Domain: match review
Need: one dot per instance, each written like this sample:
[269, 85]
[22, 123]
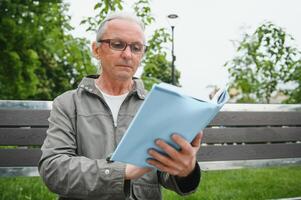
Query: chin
[124, 76]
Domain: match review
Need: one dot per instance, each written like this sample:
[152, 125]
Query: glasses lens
[137, 47]
[117, 45]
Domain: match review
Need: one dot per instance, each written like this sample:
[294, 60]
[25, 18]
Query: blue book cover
[166, 110]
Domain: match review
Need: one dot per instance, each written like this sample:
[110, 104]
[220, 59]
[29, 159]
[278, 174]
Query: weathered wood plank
[24, 117]
[249, 152]
[22, 136]
[30, 157]
[19, 157]
[252, 134]
[228, 118]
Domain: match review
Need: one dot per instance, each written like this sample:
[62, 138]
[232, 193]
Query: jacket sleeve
[70, 175]
[182, 186]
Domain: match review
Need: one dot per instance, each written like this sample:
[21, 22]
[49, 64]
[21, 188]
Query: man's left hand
[178, 163]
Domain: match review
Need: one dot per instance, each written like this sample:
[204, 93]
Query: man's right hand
[134, 172]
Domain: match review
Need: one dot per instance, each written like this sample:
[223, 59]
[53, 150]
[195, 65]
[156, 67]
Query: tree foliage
[38, 58]
[265, 61]
[155, 64]
[157, 70]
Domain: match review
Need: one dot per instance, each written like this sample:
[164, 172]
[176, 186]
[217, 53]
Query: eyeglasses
[119, 45]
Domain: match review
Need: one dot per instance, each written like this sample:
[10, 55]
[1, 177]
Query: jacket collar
[88, 84]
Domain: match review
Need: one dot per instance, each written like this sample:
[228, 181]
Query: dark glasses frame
[131, 45]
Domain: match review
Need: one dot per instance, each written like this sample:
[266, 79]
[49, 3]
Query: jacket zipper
[110, 112]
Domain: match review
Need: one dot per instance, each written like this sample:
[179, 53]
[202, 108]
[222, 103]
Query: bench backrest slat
[241, 118]
[18, 118]
[22, 136]
[19, 157]
[249, 152]
[252, 134]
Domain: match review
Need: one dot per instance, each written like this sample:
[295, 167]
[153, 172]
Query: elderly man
[86, 124]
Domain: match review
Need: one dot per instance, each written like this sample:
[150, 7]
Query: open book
[166, 110]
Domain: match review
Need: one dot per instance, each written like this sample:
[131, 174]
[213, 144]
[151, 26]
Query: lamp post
[172, 20]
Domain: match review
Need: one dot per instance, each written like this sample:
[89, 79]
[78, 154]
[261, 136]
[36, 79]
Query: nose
[126, 53]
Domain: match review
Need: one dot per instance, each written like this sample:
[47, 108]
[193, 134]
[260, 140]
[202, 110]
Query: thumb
[196, 142]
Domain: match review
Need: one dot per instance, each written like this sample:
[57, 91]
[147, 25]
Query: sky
[205, 32]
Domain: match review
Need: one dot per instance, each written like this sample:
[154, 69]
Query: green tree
[156, 66]
[38, 58]
[266, 60]
[157, 69]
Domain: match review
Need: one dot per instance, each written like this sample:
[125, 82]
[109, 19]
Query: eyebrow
[118, 38]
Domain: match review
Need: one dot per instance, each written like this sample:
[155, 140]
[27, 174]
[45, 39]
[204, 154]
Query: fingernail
[174, 136]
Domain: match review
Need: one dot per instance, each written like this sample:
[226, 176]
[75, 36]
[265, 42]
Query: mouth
[124, 66]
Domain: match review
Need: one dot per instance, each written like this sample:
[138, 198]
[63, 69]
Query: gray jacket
[80, 138]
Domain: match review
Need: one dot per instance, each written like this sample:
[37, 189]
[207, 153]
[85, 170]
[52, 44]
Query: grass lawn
[260, 183]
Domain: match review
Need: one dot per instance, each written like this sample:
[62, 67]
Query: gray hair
[117, 15]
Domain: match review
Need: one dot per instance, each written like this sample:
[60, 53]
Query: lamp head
[172, 19]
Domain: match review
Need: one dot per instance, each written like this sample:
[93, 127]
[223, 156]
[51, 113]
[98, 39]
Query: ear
[95, 50]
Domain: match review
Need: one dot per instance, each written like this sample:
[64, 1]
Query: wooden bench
[234, 135]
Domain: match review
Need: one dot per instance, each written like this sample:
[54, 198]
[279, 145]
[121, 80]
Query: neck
[114, 87]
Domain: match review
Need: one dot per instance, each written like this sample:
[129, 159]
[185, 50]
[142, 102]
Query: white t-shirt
[114, 103]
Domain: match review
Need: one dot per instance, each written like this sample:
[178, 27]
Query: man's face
[120, 65]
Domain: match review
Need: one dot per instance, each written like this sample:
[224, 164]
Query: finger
[146, 170]
[133, 172]
[134, 167]
[169, 150]
[161, 158]
[184, 144]
[196, 142]
[161, 167]
[167, 161]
